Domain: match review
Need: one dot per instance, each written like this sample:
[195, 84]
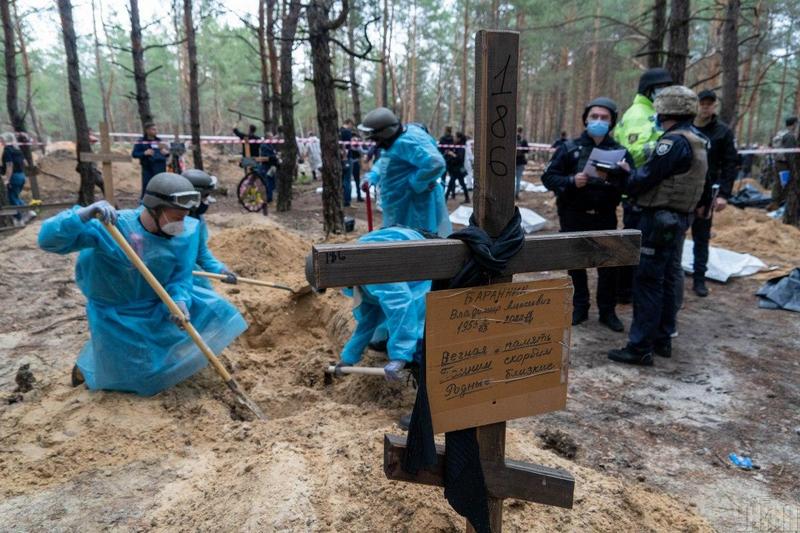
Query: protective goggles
[184, 200]
[373, 132]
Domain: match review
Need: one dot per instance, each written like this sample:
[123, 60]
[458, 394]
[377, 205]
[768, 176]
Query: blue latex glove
[104, 209]
[176, 319]
[394, 370]
[230, 277]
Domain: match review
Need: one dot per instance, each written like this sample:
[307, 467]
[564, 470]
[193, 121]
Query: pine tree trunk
[730, 64]
[412, 86]
[12, 101]
[288, 168]
[266, 113]
[194, 96]
[464, 42]
[384, 92]
[655, 44]
[678, 50]
[98, 64]
[139, 72]
[273, 62]
[791, 215]
[319, 28]
[27, 72]
[786, 60]
[354, 92]
[86, 169]
[183, 66]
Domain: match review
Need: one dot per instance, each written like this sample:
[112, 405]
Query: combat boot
[699, 287]
[612, 321]
[631, 357]
[579, 315]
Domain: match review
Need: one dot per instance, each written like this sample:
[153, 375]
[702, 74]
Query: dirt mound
[752, 231]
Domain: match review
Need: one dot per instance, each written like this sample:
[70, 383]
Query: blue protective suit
[397, 307]
[408, 175]
[133, 345]
[205, 259]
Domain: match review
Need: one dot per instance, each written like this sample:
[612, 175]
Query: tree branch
[338, 21]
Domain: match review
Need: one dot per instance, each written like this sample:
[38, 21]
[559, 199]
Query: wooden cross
[106, 157]
[359, 264]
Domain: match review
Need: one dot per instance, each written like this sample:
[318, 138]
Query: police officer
[589, 203]
[638, 132]
[667, 188]
[722, 159]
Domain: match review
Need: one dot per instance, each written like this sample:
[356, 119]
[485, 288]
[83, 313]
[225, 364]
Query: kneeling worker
[204, 183]
[133, 346]
[398, 307]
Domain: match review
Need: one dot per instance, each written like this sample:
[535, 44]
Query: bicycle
[252, 189]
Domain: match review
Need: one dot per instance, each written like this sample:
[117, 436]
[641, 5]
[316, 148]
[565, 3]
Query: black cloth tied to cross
[464, 485]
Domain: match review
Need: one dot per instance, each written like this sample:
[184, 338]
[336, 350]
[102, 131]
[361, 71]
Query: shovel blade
[244, 400]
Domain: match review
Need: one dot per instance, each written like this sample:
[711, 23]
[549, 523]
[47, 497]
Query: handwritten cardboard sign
[497, 352]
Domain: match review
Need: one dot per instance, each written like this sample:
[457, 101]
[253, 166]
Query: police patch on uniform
[663, 147]
[632, 138]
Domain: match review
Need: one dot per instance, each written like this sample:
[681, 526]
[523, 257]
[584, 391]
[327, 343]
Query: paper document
[611, 157]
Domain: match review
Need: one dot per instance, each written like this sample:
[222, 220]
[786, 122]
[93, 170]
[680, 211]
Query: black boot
[663, 350]
[579, 315]
[699, 287]
[378, 346]
[611, 320]
[626, 355]
[77, 376]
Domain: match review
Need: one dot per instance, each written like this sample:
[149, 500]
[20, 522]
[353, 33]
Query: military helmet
[653, 77]
[605, 102]
[380, 124]
[203, 182]
[676, 100]
[166, 189]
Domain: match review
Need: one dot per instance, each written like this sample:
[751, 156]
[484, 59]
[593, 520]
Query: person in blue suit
[407, 174]
[152, 153]
[398, 308]
[136, 344]
[205, 184]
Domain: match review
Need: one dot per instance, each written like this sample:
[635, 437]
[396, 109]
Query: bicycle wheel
[252, 193]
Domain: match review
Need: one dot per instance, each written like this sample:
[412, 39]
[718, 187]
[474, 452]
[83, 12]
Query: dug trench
[186, 460]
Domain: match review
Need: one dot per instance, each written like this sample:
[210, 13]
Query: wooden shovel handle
[168, 301]
[243, 280]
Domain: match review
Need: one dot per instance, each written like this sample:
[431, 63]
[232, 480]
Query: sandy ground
[652, 443]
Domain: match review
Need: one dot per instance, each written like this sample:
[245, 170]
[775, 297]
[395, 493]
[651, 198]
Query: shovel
[241, 397]
[306, 289]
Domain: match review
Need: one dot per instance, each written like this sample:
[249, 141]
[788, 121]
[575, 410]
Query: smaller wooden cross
[106, 157]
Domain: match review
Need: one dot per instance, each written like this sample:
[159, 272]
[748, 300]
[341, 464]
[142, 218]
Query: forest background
[420, 61]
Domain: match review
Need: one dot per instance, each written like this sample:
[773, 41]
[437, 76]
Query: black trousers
[701, 235]
[451, 185]
[606, 277]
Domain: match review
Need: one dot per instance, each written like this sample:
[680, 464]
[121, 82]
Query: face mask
[597, 128]
[173, 228]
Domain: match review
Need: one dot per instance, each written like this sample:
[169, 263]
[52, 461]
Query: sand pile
[752, 231]
[183, 460]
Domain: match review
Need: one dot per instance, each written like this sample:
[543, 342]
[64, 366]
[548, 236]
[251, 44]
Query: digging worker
[638, 132]
[407, 173]
[722, 158]
[396, 308]
[205, 184]
[152, 153]
[667, 189]
[589, 203]
[133, 346]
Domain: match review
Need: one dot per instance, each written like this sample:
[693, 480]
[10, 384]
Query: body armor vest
[681, 192]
